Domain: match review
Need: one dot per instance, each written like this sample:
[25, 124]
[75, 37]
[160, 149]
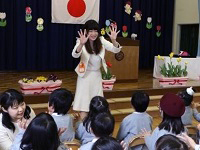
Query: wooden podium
[126, 67]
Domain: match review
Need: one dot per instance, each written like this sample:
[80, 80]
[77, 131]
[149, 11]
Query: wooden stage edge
[145, 82]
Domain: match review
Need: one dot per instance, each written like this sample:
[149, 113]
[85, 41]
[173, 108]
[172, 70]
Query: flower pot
[108, 84]
[173, 81]
[39, 87]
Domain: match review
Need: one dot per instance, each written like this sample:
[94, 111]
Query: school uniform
[150, 141]
[65, 121]
[189, 114]
[132, 125]
[82, 134]
[89, 145]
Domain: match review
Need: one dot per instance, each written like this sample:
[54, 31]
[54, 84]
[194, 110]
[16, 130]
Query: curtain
[198, 51]
[23, 48]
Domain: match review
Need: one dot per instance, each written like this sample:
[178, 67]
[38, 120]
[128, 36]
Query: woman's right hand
[82, 36]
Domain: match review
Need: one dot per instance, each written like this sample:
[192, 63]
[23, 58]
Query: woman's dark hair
[140, 101]
[107, 143]
[98, 105]
[103, 124]
[170, 142]
[41, 134]
[61, 99]
[9, 98]
[93, 25]
[187, 99]
[171, 124]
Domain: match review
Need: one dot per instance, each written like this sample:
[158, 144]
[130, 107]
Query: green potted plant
[107, 78]
[173, 74]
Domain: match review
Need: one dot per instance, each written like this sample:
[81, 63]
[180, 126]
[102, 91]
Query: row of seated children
[172, 108]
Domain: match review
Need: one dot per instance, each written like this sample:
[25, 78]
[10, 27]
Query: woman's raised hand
[82, 36]
[113, 32]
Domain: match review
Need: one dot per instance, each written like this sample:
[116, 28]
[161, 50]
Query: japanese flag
[74, 11]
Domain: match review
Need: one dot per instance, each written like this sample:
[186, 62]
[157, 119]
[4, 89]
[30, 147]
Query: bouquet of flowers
[171, 70]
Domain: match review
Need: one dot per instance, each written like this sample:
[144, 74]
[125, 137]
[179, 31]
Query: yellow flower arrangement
[171, 70]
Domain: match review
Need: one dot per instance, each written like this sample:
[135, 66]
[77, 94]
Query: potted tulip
[108, 79]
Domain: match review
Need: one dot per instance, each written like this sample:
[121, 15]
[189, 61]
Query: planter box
[39, 87]
[173, 81]
[108, 84]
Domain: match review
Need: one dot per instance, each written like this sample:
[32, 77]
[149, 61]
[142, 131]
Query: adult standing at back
[90, 47]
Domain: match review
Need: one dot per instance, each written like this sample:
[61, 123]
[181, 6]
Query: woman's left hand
[113, 32]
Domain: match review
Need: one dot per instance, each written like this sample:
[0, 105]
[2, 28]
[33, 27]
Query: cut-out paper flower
[124, 31]
[40, 26]
[149, 23]
[28, 16]
[3, 19]
[158, 33]
[103, 32]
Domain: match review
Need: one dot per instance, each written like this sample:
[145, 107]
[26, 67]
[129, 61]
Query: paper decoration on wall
[138, 15]
[109, 23]
[103, 32]
[158, 33]
[28, 16]
[3, 19]
[149, 23]
[107, 26]
[124, 31]
[133, 36]
[40, 26]
[128, 7]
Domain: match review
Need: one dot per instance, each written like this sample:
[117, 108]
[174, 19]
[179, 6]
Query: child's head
[98, 105]
[170, 142]
[102, 125]
[187, 95]
[107, 143]
[172, 108]
[60, 101]
[140, 101]
[41, 133]
[13, 108]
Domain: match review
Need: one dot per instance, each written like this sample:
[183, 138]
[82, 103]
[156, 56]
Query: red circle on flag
[76, 8]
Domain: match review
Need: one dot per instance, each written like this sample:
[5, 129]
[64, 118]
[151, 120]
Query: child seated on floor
[102, 125]
[190, 108]
[98, 105]
[60, 101]
[171, 108]
[107, 143]
[133, 123]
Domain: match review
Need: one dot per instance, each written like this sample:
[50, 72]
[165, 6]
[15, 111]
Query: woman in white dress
[90, 46]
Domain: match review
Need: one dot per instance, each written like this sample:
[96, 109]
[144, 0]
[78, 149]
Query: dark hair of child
[170, 142]
[140, 101]
[98, 105]
[103, 125]
[107, 143]
[61, 99]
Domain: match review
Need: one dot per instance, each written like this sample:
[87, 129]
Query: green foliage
[173, 71]
[106, 76]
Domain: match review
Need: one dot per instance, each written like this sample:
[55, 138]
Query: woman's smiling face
[93, 34]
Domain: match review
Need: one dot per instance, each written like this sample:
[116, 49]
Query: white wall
[185, 12]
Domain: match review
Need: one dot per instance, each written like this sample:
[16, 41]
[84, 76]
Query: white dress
[89, 85]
